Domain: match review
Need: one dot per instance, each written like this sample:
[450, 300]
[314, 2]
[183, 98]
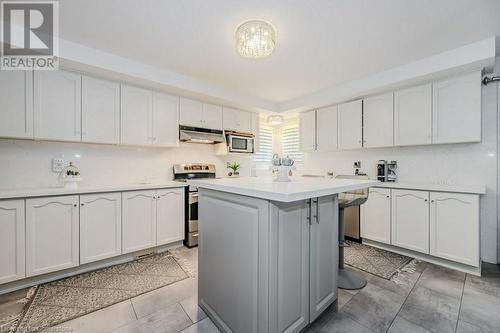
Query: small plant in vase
[234, 167]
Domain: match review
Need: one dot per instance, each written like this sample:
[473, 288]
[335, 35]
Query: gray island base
[267, 265]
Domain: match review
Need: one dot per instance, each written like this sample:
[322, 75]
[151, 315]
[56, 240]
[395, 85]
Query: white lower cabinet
[376, 216]
[291, 281]
[51, 234]
[410, 220]
[324, 255]
[12, 241]
[138, 220]
[454, 227]
[169, 215]
[151, 218]
[100, 226]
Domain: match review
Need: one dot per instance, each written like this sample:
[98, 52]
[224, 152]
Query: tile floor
[433, 299]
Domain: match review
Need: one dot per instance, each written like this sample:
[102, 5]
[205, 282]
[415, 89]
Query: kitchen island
[268, 251]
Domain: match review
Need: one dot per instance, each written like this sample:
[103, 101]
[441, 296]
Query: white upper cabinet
[198, 114]
[165, 120]
[100, 226]
[169, 215]
[307, 130]
[191, 113]
[58, 105]
[136, 116]
[454, 227]
[237, 120]
[52, 234]
[12, 241]
[410, 220]
[100, 111]
[326, 128]
[457, 109]
[16, 109]
[212, 116]
[378, 113]
[376, 216]
[350, 132]
[413, 116]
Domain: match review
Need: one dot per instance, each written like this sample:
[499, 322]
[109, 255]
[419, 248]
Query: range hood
[200, 135]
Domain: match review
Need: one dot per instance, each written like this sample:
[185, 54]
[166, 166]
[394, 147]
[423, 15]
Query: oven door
[240, 144]
[193, 212]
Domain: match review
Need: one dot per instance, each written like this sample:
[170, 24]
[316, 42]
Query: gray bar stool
[347, 279]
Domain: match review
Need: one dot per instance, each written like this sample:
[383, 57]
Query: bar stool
[347, 279]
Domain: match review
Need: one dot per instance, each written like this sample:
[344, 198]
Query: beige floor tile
[203, 326]
[170, 319]
[195, 313]
[103, 320]
[151, 302]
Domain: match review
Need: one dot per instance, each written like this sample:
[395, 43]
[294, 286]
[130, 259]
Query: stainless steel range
[184, 172]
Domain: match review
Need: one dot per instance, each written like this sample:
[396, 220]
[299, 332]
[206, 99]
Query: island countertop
[300, 188]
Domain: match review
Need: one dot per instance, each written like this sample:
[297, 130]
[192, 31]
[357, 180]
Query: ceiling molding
[82, 58]
[473, 56]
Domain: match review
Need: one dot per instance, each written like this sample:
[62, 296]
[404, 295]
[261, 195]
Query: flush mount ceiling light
[255, 39]
[275, 120]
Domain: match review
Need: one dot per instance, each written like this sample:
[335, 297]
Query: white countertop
[456, 188]
[299, 188]
[83, 189]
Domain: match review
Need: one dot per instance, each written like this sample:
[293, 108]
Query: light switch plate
[57, 164]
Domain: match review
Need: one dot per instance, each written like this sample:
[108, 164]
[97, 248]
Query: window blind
[290, 142]
[265, 153]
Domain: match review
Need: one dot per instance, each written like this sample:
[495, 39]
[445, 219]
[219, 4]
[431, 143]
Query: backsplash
[26, 164]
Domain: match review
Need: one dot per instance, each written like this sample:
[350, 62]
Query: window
[265, 153]
[290, 142]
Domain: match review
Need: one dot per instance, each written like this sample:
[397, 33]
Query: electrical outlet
[57, 164]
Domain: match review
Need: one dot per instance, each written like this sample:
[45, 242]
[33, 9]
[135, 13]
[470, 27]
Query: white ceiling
[320, 43]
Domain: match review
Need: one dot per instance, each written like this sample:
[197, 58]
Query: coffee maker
[386, 171]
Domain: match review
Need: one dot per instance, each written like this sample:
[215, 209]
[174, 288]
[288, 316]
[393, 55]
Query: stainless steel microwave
[240, 144]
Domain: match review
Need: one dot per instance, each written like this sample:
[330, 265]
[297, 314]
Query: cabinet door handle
[387, 196]
[317, 211]
[75, 205]
[426, 200]
[432, 201]
[309, 211]
[82, 204]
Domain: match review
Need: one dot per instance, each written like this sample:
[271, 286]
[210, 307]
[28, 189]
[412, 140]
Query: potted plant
[234, 166]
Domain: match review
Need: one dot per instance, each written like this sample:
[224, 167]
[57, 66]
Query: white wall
[440, 164]
[27, 164]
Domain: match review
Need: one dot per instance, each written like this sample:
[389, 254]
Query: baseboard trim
[49, 277]
[427, 258]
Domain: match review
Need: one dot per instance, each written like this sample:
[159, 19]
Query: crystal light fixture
[255, 39]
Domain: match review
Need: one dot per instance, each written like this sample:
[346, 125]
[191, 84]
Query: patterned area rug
[59, 301]
[374, 261]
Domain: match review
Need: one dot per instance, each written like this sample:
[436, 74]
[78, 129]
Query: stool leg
[347, 279]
